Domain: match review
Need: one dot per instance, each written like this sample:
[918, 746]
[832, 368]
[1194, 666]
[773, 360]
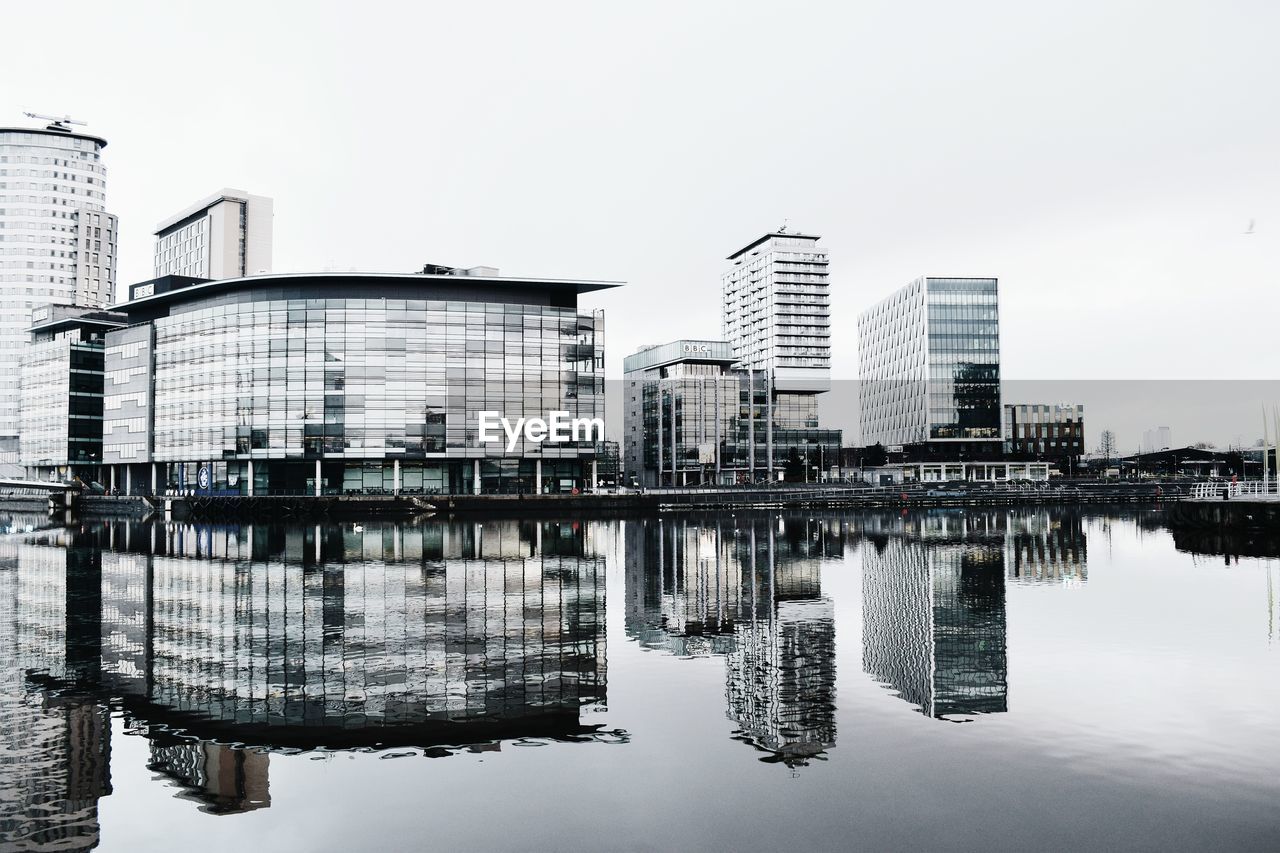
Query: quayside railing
[1217, 489]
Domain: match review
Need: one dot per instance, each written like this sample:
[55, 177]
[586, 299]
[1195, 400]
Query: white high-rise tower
[777, 310]
[57, 242]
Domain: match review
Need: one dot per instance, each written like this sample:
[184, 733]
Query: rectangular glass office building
[929, 359]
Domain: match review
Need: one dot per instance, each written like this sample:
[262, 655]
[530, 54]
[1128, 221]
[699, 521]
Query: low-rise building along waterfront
[61, 398]
[693, 416]
[1052, 431]
[342, 383]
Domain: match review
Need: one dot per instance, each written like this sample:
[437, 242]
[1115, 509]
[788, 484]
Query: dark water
[965, 680]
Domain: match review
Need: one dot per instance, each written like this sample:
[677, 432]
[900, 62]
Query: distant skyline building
[57, 242]
[929, 366]
[1155, 440]
[227, 235]
[711, 441]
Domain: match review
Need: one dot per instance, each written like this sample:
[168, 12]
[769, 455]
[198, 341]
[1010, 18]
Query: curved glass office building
[350, 383]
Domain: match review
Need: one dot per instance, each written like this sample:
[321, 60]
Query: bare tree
[1107, 445]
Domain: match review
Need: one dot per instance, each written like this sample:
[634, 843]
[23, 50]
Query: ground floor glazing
[348, 477]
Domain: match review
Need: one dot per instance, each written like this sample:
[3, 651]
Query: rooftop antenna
[783, 228]
[55, 122]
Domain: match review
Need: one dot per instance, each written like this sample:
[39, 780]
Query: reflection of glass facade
[933, 615]
[222, 643]
[380, 379]
[54, 746]
[929, 359]
[1046, 547]
[438, 636]
[750, 590]
[328, 635]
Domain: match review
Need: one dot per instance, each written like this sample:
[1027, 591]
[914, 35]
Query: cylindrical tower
[57, 242]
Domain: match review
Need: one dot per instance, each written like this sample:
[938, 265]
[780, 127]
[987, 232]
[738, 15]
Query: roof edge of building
[224, 194]
[770, 236]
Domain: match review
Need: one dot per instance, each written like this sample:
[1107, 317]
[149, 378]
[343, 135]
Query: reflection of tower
[56, 617]
[781, 681]
[933, 619]
[1046, 547]
[54, 748]
[223, 779]
[749, 589]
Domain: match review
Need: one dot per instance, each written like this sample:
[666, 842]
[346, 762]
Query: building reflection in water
[749, 589]
[221, 779]
[933, 599]
[54, 746]
[222, 644]
[1047, 547]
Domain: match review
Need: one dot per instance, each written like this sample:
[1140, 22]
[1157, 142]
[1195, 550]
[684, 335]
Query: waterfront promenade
[825, 496]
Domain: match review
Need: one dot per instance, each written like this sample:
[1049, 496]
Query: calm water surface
[981, 679]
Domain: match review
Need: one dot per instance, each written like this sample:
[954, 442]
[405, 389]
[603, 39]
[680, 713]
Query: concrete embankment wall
[1237, 513]
[115, 506]
[23, 503]
[369, 506]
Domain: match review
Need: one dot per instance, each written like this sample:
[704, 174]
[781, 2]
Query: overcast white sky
[1102, 159]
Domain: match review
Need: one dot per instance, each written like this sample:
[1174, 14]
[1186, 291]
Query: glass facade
[1055, 429]
[61, 396]
[929, 359]
[693, 418]
[57, 243]
[380, 386]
